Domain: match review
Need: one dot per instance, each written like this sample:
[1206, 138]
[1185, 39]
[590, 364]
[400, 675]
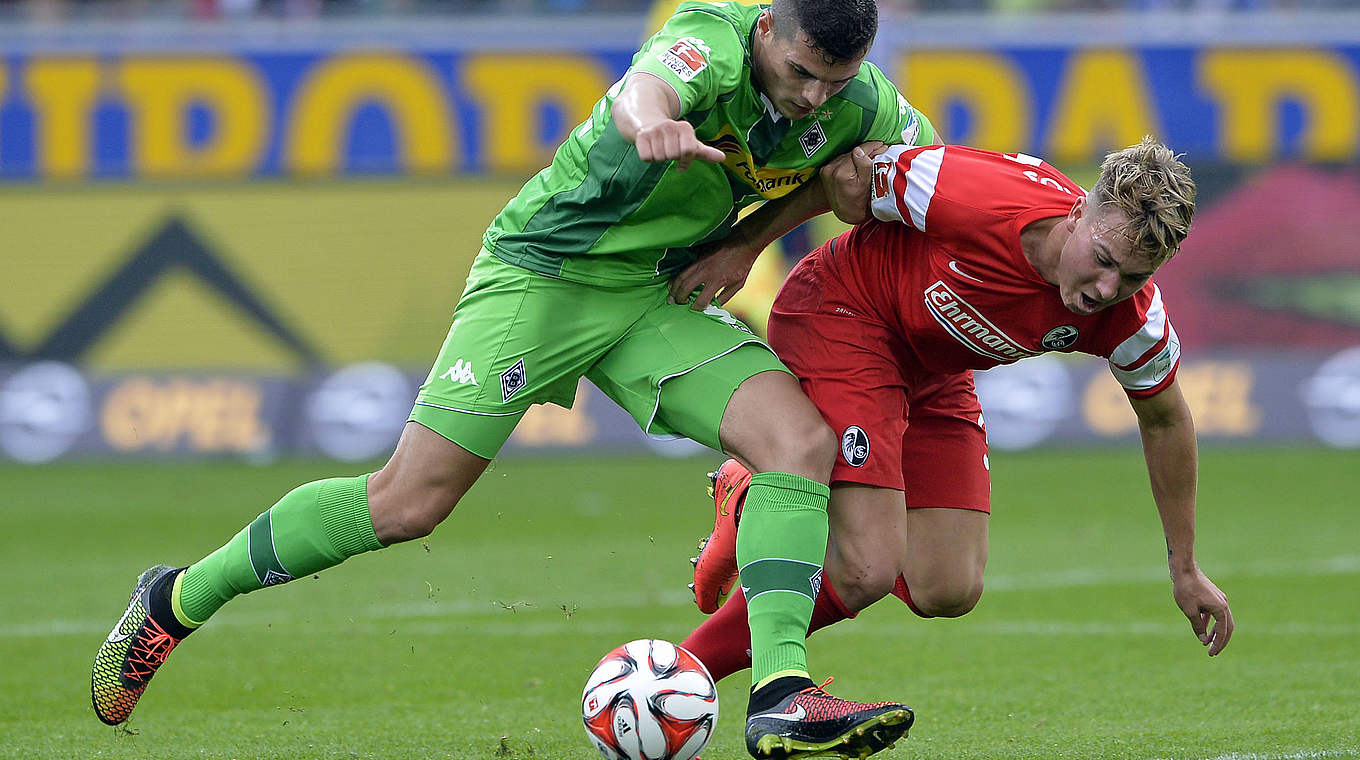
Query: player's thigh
[510, 346]
[676, 370]
[868, 538]
[770, 424]
[948, 495]
[850, 370]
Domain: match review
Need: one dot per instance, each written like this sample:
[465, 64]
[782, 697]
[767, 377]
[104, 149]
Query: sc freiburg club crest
[1060, 337]
[855, 446]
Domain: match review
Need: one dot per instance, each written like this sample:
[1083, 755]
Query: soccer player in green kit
[595, 270]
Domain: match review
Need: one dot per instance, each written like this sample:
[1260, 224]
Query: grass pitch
[475, 643]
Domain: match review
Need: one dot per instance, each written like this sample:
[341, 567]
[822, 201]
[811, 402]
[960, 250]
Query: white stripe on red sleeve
[1146, 359]
[904, 186]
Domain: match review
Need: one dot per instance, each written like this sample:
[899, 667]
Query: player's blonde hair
[1150, 186]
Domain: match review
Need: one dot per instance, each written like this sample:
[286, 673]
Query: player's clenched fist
[669, 140]
[846, 180]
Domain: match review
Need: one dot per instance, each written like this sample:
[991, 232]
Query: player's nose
[1107, 285]
[817, 92]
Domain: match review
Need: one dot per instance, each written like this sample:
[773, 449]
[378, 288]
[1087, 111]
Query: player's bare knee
[952, 599]
[860, 587]
[802, 447]
[812, 449]
[404, 510]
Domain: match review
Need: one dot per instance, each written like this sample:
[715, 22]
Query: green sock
[780, 549]
[315, 526]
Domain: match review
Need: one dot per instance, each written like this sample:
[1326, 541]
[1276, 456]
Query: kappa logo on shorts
[686, 58]
[513, 381]
[855, 446]
[460, 372]
[1059, 337]
[813, 139]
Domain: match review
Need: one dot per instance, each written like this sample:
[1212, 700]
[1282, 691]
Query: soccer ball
[649, 700]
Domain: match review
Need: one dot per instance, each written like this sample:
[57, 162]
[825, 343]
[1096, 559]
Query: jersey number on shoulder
[1025, 159]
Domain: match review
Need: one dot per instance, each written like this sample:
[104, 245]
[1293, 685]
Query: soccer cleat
[812, 723]
[715, 569]
[135, 648]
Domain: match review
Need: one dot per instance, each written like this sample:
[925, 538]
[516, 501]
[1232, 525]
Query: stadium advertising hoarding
[270, 316]
[256, 321]
[50, 410]
[264, 102]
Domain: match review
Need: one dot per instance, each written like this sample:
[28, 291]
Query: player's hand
[847, 179]
[1202, 602]
[671, 140]
[721, 270]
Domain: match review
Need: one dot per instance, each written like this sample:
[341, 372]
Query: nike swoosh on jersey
[798, 714]
[954, 265]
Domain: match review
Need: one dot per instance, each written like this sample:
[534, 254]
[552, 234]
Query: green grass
[475, 644]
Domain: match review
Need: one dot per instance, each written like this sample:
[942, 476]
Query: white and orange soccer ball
[650, 700]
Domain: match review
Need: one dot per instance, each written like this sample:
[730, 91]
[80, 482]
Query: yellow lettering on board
[1218, 393]
[406, 87]
[1249, 87]
[989, 87]
[210, 415]
[160, 92]
[512, 88]
[63, 92]
[1103, 103]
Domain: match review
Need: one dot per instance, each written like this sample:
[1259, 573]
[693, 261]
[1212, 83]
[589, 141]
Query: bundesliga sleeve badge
[686, 58]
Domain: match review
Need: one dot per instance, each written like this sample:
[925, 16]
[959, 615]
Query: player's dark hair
[841, 29]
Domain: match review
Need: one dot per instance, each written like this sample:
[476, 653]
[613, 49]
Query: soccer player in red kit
[970, 259]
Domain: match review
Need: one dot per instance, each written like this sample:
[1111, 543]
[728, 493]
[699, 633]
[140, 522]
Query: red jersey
[941, 262]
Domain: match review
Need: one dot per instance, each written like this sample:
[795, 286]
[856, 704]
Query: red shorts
[901, 427]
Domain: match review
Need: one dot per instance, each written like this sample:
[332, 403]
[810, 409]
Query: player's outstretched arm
[1169, 446]
[647, 113]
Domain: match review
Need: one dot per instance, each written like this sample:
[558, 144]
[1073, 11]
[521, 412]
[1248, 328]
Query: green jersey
[599, 214]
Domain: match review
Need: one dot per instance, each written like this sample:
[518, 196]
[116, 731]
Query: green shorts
[521, 338]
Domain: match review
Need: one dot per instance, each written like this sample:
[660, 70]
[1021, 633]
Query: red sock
[723, 642]
[901, 592]
[829, 609]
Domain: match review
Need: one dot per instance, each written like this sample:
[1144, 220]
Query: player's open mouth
[1089, 304]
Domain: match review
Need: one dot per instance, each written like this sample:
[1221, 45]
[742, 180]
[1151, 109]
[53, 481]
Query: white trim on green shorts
[469, 411]
[656, 407]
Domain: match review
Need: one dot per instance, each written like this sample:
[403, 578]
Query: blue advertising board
[415, 101]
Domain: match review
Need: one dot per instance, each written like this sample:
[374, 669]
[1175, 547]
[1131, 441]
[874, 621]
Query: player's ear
[765, 23]
[1077, 212]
